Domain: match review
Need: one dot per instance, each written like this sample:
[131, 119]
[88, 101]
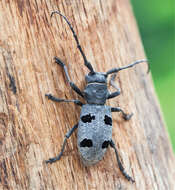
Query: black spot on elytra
[87, 118]
[86, 143]
[108, 120]
[105, 144]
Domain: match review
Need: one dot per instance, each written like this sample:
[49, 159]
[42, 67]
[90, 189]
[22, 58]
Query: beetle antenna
[115, 70]
[87, 64]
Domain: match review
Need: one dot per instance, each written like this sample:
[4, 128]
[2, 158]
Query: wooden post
[32, 128]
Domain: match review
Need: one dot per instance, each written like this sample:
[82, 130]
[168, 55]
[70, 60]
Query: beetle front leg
[125, 116]
[112, 144]
[112, 83]
[73, 86]
[68, 134]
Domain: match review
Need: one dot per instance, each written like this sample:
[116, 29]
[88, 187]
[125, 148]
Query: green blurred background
[156, 21]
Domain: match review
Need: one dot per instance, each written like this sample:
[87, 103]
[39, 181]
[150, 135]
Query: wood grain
[32, 128]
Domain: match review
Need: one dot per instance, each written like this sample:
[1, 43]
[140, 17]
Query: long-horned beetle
[95, 124]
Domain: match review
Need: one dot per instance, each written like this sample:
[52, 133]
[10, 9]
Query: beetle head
[96, 77]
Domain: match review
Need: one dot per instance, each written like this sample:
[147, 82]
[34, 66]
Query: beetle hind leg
[112, 144]
[68, 134]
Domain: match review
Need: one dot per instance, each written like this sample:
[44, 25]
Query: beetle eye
[86, 143]
[105, 144]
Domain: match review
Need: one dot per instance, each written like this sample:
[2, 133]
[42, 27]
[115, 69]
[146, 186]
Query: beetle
[95, 124]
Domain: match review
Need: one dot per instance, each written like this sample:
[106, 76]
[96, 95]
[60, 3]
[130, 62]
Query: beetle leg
[112, 144]
[125, 116]
[112, 83]
[68, 134]
[50, 97]
[73, 86]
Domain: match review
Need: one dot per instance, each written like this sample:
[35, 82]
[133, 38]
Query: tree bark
[32, 128]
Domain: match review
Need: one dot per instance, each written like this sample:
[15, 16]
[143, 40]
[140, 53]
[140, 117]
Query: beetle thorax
[96, 93]
[96, 90]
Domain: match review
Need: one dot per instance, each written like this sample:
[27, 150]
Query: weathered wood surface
[32, 128]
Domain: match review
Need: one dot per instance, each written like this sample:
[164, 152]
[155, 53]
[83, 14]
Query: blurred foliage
[156, 20]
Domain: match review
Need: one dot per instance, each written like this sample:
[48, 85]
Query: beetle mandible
[95, 124]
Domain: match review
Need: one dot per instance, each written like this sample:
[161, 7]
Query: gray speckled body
[96, 130]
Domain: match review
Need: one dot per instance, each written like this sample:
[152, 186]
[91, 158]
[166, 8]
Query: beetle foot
[58, 61]
[49, 96]
[51, 160]
[127, 116]
[130, 179]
